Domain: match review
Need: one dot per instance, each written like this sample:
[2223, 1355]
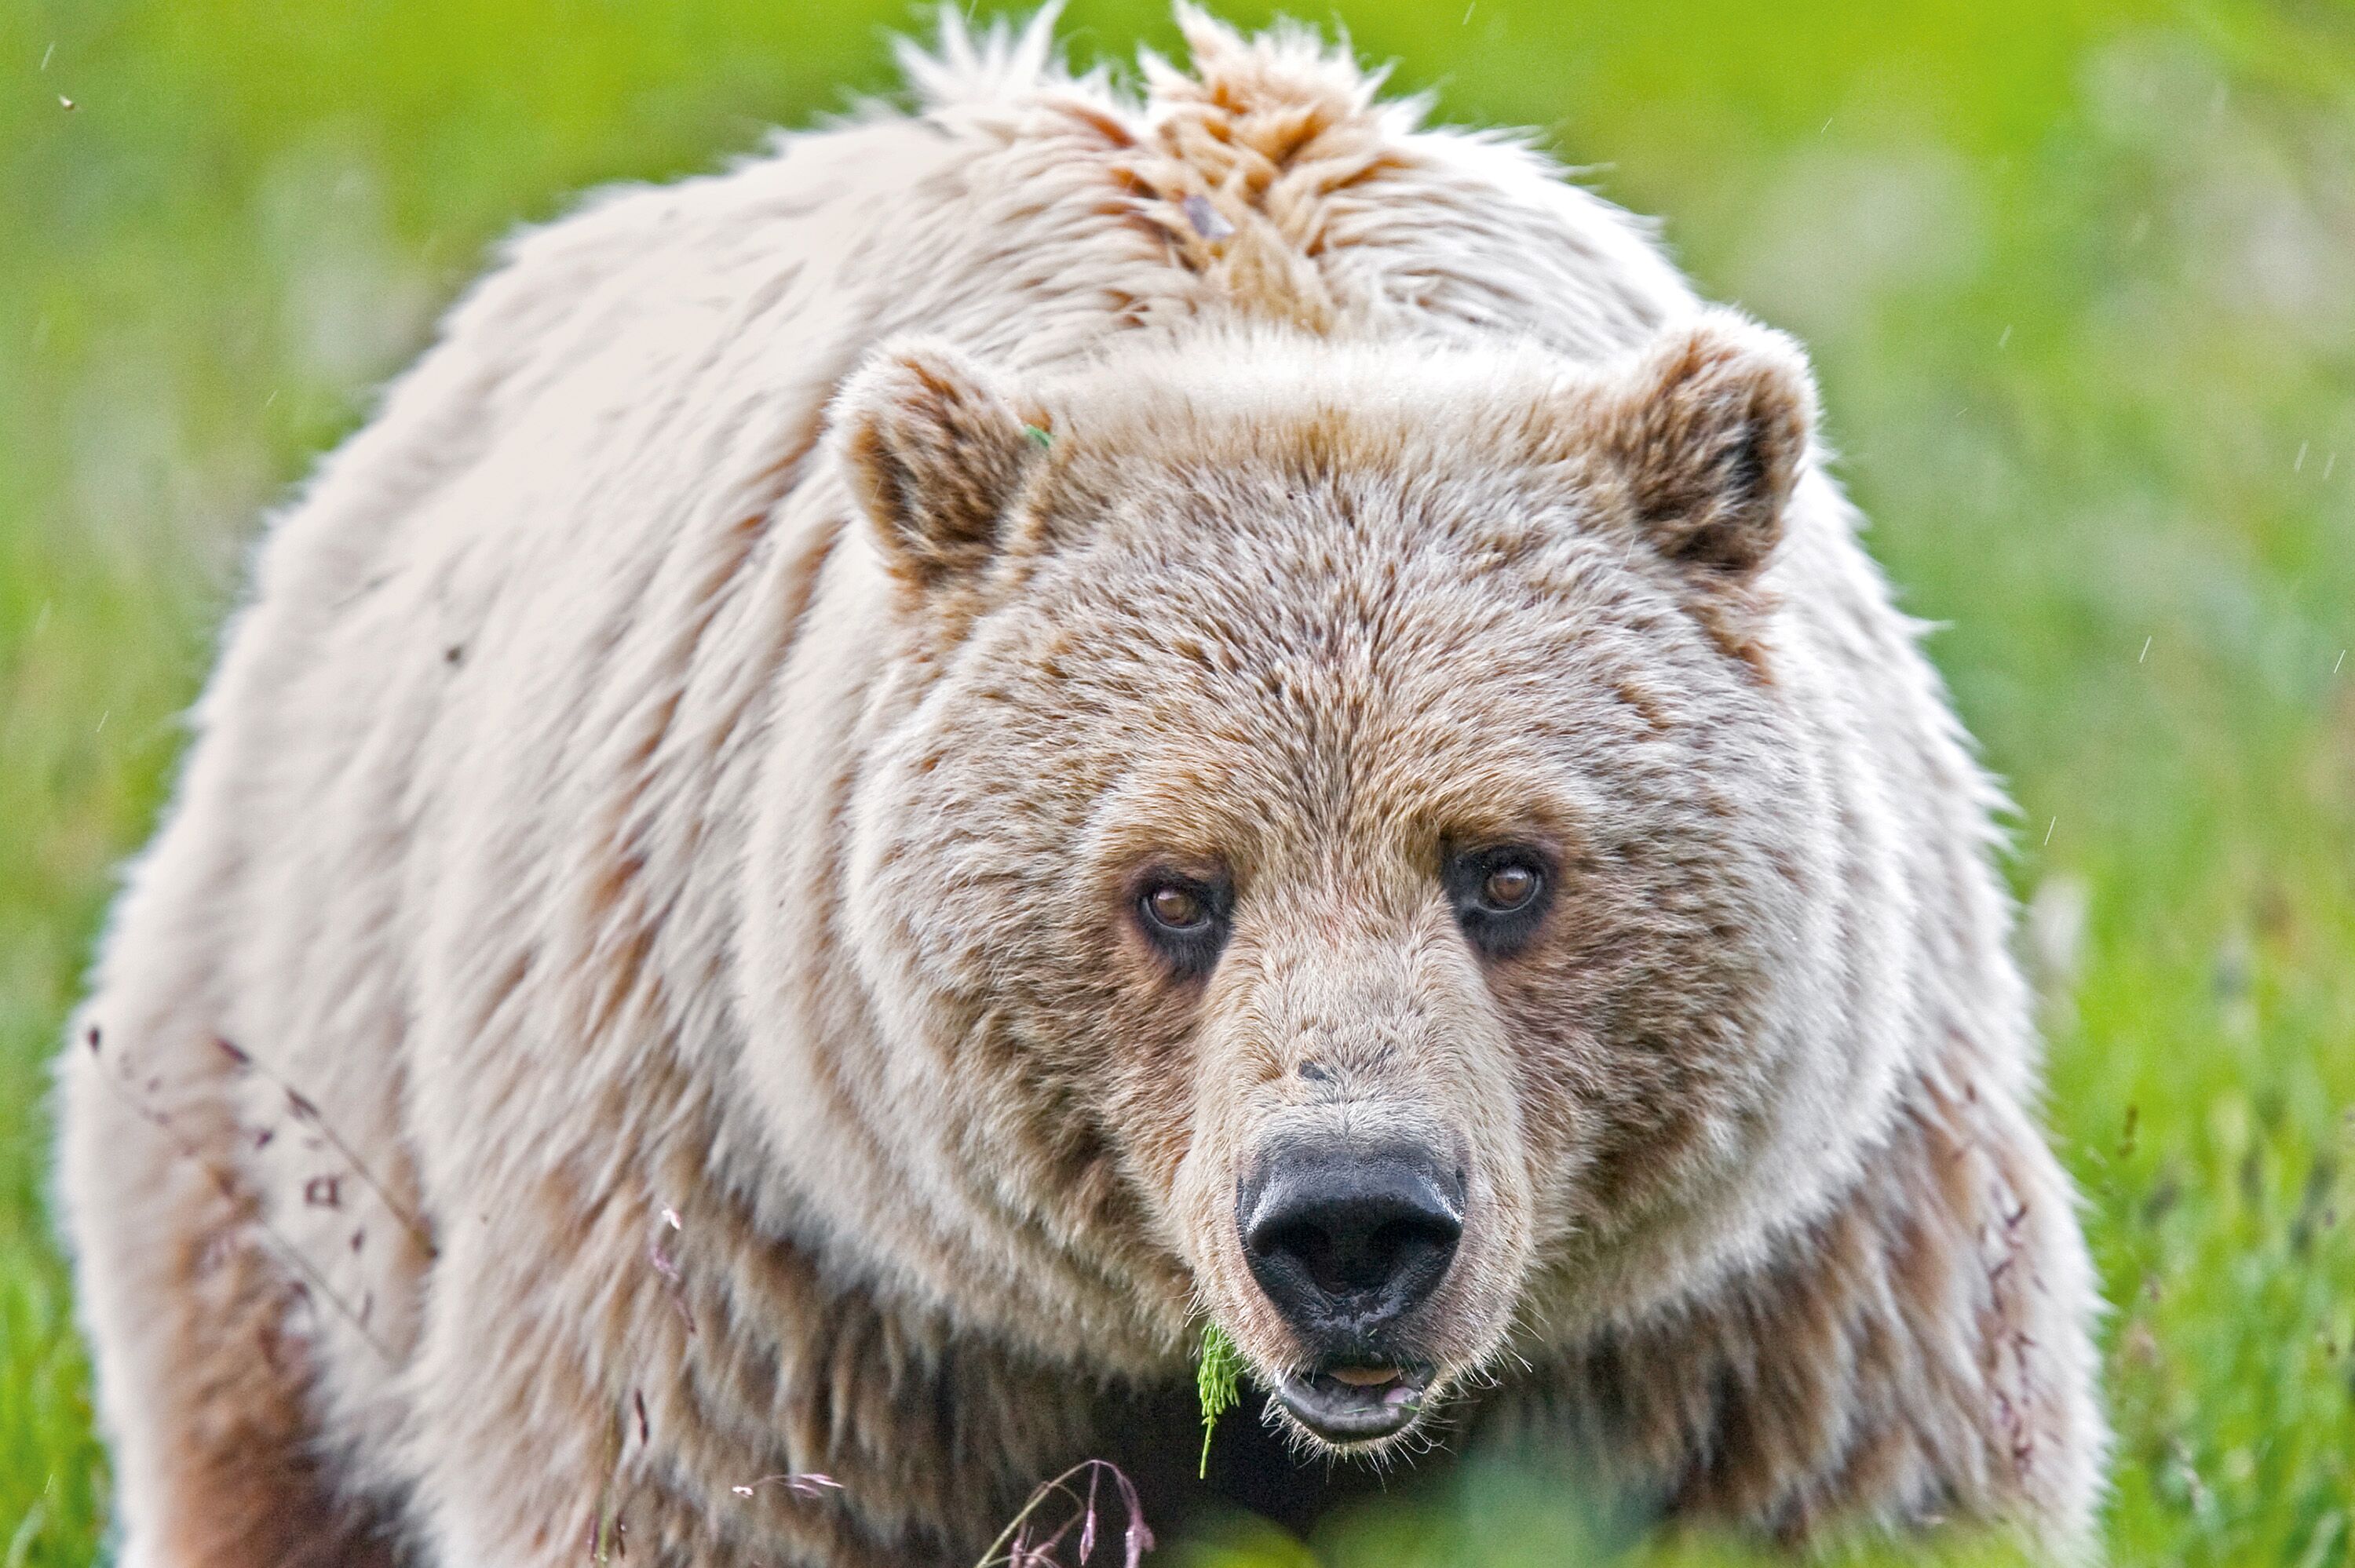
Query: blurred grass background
[2080, 278]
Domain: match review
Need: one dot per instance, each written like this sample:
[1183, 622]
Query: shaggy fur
[639, 991]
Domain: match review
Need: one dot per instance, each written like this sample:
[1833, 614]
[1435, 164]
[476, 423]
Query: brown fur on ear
[1708, 433]
[935, 451]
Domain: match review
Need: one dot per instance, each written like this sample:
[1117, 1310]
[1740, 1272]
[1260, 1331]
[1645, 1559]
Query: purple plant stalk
[1014, 1547]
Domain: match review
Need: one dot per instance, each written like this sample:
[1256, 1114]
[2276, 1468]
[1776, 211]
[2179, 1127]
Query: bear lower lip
[1365, 1406]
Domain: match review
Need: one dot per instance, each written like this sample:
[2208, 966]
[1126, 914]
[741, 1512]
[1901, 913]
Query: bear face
[1341, 803]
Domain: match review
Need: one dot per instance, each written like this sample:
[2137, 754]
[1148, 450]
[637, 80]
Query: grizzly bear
[893, 779]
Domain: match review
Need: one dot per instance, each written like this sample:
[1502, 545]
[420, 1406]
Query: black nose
[1347, 1239]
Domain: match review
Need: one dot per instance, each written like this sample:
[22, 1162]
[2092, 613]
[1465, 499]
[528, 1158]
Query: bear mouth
[1349, 1405]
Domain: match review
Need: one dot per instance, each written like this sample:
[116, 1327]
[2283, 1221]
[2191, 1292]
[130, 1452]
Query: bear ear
[935, 451]
[1709, 432]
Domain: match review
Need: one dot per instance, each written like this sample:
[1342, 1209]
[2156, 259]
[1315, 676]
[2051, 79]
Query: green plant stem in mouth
[1216, 1382]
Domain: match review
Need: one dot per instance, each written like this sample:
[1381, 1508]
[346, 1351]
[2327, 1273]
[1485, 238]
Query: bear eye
[1500, 896]
[1176, 908]
[1510, 886]
[1185, 921]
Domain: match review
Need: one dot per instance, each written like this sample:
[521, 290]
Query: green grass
[2080, 277]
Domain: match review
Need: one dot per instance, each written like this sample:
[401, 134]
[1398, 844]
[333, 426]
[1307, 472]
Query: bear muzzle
[1347, 1239]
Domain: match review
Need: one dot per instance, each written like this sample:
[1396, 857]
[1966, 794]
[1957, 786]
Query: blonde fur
[630, 997]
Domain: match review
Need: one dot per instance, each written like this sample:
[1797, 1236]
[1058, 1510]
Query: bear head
[1339, 832]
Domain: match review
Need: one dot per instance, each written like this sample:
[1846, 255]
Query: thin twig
[306, 1109]
[229, 1189]
[801, 1483]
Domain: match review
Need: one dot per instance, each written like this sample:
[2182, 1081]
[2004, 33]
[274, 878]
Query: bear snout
[1347, 1239]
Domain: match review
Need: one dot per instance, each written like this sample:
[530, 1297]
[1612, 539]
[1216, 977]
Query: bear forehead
[1300, 676]
[1441, 601]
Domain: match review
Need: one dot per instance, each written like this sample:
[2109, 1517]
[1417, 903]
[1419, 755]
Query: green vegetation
[1217, 1381]
[2080, 278]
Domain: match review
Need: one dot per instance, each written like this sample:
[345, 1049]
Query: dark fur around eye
[1191, 949]
[1493, 930]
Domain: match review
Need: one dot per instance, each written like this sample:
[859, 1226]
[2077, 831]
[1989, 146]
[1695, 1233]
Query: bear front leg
[534, 1442]
[629, 1379]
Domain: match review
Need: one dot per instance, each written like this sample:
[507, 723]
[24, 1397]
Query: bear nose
[1346, 1241]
